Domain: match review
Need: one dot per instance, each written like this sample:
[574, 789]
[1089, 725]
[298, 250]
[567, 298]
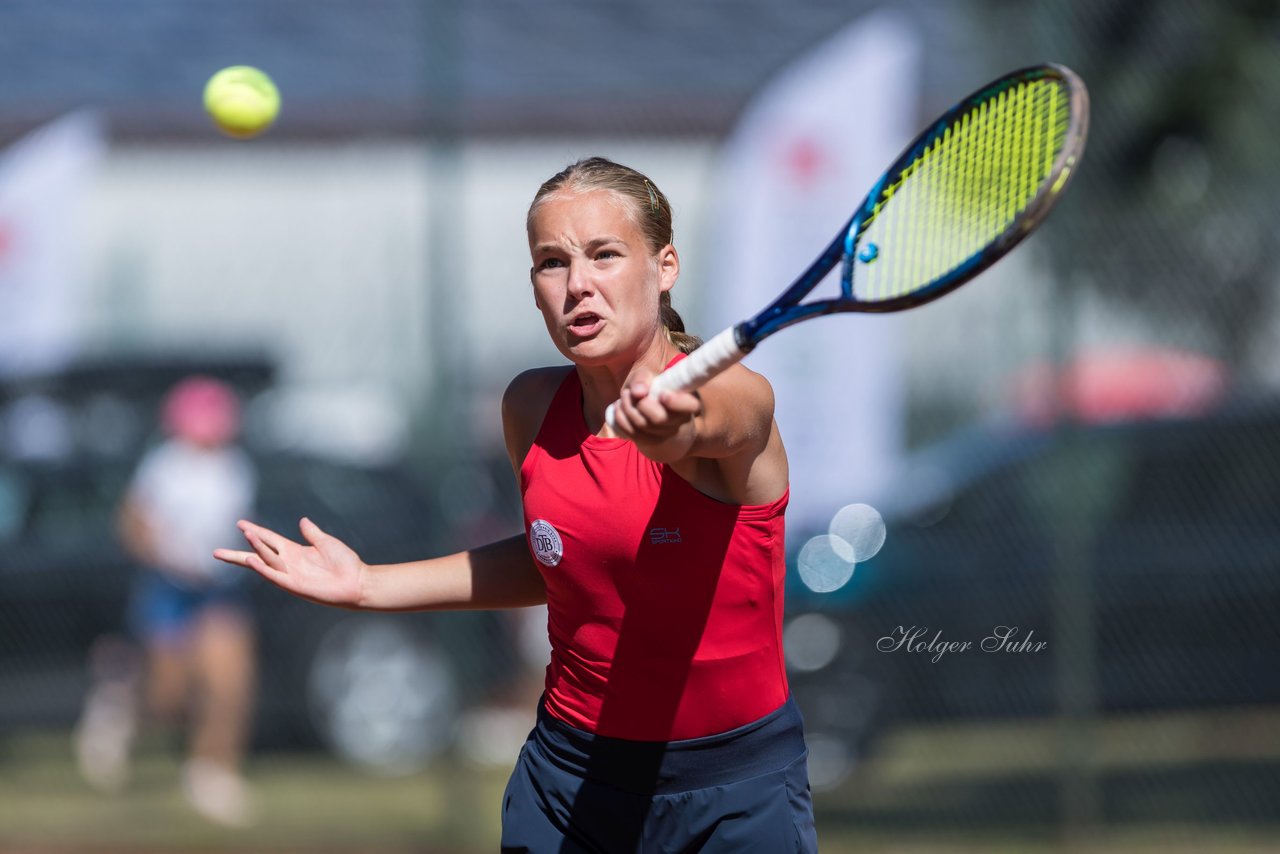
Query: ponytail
[674, 325]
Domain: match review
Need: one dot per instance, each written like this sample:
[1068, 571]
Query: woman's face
[594, 278]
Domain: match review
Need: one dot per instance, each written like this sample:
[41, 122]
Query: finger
[655, 414]
[268, 555]
[639, 417]
[249, 560]
[311, 531]
[681, 402]
[670, 409]
[625, 416]
[232, 556]
[278, 576]
[275, 541]
[327, 544]
[621, 424]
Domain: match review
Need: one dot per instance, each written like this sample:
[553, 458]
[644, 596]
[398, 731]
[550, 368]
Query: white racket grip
[693, 371]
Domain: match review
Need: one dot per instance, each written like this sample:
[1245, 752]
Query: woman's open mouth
[585, 325]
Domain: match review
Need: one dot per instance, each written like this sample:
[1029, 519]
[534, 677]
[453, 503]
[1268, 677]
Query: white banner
[42, 179]
[804, 154]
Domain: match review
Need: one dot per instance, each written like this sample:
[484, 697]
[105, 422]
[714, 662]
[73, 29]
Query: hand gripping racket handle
[711, 358]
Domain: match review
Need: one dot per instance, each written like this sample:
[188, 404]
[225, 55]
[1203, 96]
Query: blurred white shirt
[192, 498]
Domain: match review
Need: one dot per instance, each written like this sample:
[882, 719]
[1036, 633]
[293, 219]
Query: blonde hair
[648, 207]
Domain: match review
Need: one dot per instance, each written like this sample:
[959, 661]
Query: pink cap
[202, 410]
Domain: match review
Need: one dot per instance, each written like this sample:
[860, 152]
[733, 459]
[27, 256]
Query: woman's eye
[549, 263]
[606, 253]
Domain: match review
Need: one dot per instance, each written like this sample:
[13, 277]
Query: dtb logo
[545, 541]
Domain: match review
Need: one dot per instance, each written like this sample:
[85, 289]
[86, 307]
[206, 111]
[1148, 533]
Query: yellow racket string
[964, 189]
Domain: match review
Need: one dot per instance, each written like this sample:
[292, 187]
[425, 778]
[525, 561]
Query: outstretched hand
[326, 571]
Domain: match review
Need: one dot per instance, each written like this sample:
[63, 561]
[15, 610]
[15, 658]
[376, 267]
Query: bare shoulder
[738, 456]
[525, 404]
[741, 400]
[740, 380]
[533, 386]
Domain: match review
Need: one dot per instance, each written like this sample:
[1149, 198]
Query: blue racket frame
[787, 309]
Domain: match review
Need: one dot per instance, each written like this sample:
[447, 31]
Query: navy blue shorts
[746, 790]
[163, 611]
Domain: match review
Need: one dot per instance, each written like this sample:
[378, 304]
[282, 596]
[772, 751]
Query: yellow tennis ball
[242, 101]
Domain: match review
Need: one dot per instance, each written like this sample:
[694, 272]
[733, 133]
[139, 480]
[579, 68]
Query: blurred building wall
[318, 254]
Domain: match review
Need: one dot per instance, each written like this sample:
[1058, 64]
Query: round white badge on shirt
[545, 540]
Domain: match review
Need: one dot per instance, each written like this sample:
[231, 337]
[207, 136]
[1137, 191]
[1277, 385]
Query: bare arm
[326, 570]
[497, 575]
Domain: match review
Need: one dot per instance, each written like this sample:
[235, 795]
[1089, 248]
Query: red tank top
[664, 605]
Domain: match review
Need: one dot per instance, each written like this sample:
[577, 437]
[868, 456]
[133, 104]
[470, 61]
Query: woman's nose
[579, 282]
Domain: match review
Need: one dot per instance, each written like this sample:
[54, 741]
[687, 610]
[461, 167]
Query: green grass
[922, 794]
[305, 803]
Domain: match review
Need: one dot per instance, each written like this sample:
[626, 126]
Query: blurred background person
[189, 613]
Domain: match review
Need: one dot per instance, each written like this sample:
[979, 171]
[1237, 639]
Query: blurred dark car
[1143, 557]
[383, 690]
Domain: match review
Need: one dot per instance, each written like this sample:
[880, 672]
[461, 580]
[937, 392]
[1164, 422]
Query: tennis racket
[962, 195]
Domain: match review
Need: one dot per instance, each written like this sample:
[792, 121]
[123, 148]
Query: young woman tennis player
[666, 722]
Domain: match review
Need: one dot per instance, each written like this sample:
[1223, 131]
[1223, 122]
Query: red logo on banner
[805, 160]
[6, 239]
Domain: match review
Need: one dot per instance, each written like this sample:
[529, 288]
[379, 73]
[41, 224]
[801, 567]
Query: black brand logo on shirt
[664, 535]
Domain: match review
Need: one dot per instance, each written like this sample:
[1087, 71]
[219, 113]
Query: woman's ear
[668, 268]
